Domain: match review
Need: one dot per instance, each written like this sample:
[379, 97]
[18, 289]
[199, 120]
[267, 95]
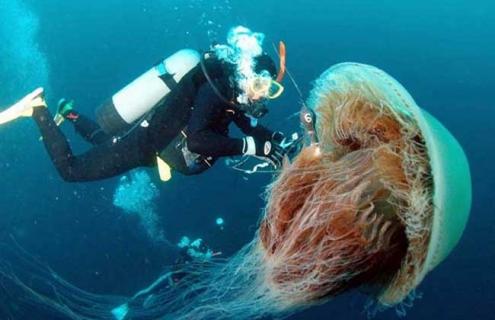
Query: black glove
[268, 150]
[278, 137]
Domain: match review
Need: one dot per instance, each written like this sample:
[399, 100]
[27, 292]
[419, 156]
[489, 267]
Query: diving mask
[264, 87]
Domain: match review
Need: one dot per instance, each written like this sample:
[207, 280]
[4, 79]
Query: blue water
[441, 51]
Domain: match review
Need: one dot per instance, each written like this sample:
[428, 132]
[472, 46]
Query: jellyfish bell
[379, 202]
[450, 197]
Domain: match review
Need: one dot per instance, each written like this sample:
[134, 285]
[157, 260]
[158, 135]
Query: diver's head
[260, 87]
[259, 81]
[254, 74]
[262, 83]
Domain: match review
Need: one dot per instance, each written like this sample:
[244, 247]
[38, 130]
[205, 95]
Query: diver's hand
[267, 150]
[278, 137]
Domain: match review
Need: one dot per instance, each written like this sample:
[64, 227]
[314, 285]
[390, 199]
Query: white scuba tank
[141, 95]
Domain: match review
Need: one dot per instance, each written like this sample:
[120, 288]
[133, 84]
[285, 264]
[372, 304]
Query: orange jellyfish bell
[381, 203]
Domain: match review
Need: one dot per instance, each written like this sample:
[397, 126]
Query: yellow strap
[163, 170]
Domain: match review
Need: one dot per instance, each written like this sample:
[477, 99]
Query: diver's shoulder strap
[165, 76]
[169, 80]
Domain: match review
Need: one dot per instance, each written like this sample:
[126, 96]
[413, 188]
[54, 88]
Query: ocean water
[441, 51]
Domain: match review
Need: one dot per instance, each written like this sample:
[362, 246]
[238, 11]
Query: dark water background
[441, 51]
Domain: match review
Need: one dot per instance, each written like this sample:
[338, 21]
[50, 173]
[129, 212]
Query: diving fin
[163, 170]
[64, 108]
[24, 107]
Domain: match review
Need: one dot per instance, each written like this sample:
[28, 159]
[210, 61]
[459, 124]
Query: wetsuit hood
[265, 62]
[221, 77]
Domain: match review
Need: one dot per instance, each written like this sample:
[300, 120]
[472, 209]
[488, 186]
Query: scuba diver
[176, 115]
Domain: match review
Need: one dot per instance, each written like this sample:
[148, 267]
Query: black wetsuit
[192, 108]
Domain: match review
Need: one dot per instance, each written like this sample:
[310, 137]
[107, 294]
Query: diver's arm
[250, 127]
[208, 143]
[201, 138]
[260, 141]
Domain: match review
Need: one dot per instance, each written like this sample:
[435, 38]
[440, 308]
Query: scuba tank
[145, 92]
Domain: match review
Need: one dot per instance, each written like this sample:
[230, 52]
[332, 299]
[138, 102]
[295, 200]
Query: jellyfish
[378, 201]
[378, 197]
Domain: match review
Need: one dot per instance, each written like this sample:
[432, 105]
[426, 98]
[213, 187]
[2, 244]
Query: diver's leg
[89, 130]
[103, 161]
[85, 127]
